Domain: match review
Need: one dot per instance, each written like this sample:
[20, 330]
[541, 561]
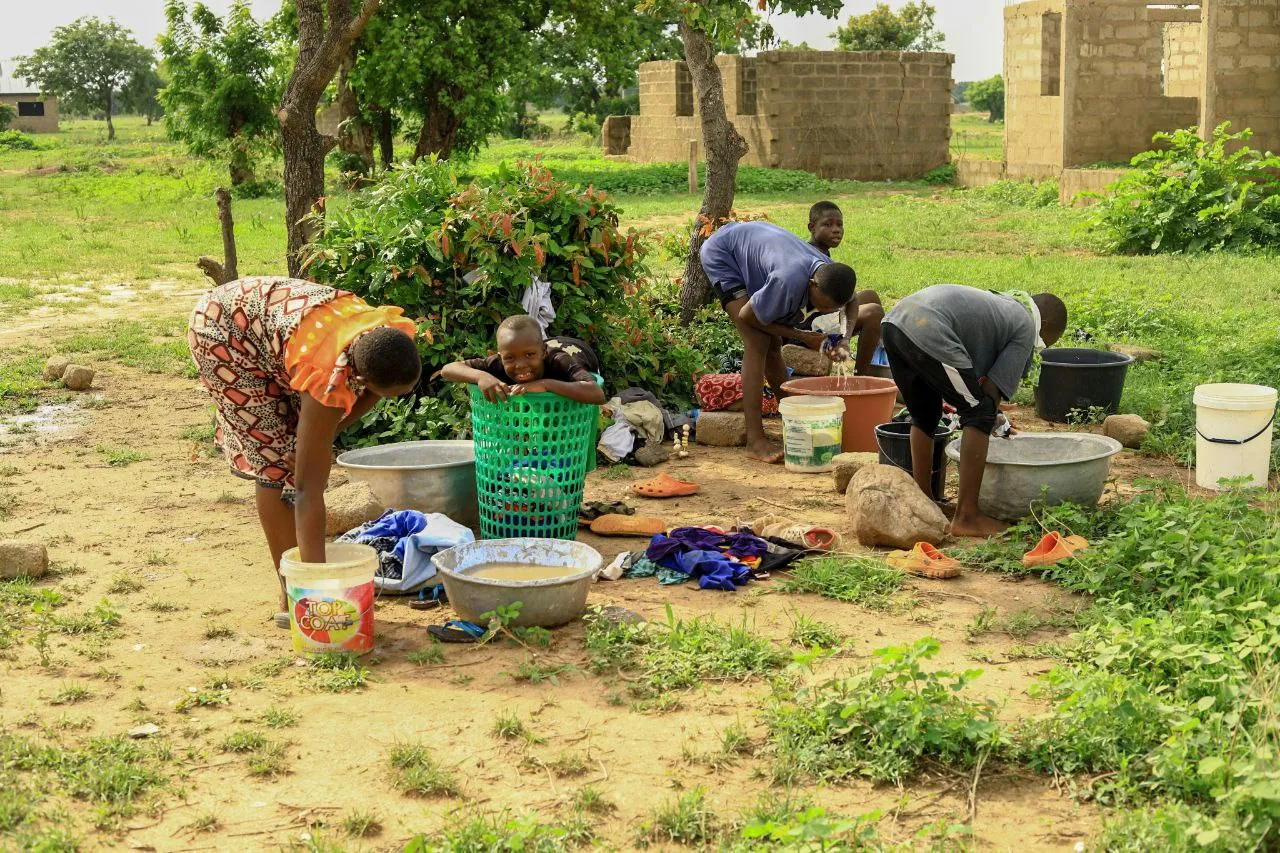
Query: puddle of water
[45, 420]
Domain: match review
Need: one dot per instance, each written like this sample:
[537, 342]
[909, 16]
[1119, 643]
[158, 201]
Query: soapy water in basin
[1047, 449]
[521, 572]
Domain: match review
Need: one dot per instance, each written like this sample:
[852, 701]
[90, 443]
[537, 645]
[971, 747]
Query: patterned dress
[242, 337]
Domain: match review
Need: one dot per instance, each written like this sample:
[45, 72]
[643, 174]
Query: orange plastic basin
[868, 402]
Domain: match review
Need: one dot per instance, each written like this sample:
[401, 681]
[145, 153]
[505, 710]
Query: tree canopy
[85, 64]
[988, 95]
[910, 28]
[222, 92]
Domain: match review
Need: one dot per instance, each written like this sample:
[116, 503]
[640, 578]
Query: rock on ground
[78, 377]
[55, 367]
[886, 507]
[848, 464]
[1129, 430]
[350, 506]
[722, 429]
[1139, 353]
[805, 362]
[22, 559]
[652, 454]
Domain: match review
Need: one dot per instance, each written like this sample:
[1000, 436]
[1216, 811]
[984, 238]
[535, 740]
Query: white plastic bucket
[1233, 432]
[331, 603]
[812, 430]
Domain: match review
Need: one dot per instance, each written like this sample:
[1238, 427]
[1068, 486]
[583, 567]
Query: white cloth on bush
[536, 302]
[617, 441]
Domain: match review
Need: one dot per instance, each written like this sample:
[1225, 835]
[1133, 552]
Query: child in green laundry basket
[527, 364]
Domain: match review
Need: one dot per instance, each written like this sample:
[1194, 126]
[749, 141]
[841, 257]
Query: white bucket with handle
[1233, 432]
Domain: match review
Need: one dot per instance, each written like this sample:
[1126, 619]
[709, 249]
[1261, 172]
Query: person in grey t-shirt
[969, 348]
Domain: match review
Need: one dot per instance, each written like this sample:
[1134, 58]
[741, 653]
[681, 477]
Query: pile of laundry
[639, 421]
[405, 540]
[715, 558]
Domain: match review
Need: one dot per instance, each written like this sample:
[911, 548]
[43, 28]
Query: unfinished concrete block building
[1090, 81]
[868, 116]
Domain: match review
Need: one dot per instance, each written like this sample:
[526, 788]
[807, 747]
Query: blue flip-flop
[456, 631]
[429, 598]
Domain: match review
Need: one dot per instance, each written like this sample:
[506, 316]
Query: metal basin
[544, 603]
[429, 476]
[1071, 466]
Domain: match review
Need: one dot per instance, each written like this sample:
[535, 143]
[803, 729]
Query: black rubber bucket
[894, 441]
[1077, 380]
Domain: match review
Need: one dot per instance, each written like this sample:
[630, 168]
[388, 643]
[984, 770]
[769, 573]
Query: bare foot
[765, 451]
[977, 525]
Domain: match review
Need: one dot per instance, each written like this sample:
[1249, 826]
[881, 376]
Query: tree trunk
[320, 52]
[440, 125]
[241, 168]
[228, 270]
[725, 147]
[111, 128]
[354, 136]
[386, 139]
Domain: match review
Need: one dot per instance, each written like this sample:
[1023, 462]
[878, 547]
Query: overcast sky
[973, 27]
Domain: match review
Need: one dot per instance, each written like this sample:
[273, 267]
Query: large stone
[805, 362]
[55, 367]
[886, 507]
[1139, 353]
[22, 559]
[1129, 430]
[652, 454]
[350, 506]
[848, 464]
[722, 429]
[78, 377]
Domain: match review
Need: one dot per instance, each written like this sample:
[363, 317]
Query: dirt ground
[183, 526]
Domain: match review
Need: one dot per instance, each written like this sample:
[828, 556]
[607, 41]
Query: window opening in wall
[30, 108]
[746, 88]
[684, 91]
[1051, 53]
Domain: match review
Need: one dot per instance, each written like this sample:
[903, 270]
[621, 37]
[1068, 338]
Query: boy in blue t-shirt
[771, 283]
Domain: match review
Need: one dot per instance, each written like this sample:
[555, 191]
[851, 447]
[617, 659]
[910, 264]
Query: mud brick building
[863, 115]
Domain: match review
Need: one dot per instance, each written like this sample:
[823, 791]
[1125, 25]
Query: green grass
[975, 138]
[689, 821]
[120, 457]
[280, 718]
[859, 580]
[338, 672]
[418, 773]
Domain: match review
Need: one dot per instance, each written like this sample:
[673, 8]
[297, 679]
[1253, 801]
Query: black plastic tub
[1079, 380]
[894, 441]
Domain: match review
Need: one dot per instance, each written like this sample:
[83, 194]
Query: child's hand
[493, 388]
[537, 386]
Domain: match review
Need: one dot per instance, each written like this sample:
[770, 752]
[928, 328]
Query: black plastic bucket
[894, 441]
[1078, 380]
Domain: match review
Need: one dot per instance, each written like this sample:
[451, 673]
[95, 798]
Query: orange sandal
[925, 561]
[664, 486]
[628, 525]
[1052, 548]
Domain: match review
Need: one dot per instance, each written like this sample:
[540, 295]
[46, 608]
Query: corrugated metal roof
[14, 85]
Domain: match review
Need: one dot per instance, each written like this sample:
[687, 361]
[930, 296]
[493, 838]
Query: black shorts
[730, 293]
[926, 382]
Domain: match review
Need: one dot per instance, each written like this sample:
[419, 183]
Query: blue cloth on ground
[643, 567]
[704, 554]
[712, 569]
[406, 566]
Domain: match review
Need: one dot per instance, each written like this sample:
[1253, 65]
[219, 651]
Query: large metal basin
[544, 603]
[1071, 466]
[429, 476]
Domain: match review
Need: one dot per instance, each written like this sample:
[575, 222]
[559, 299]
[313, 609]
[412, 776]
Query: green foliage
[505, 834]
[861, 580]
[7, 115]
[988, 96]
[1194, 195]
[419, 774]
[910, 28]
[678, 655]
[882, 722]
[16, 140]
[811, 829]
[86, 61]
[940, 175]
[338, 672]
[735, 24]
[689, 820]
[220, 97]
[1022, 193]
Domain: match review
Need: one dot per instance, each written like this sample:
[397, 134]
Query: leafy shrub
[1024, 193]
[16, 140]
[941, 175]
[414, 238]
[7, 115]
[1193, 195]
[662, 178]
[881, 722]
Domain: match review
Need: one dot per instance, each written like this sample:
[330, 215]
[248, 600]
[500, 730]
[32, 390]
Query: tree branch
[228, 270]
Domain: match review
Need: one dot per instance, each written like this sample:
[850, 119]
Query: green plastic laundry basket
[532, 456]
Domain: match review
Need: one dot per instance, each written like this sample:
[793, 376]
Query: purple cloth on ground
[682, 539]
